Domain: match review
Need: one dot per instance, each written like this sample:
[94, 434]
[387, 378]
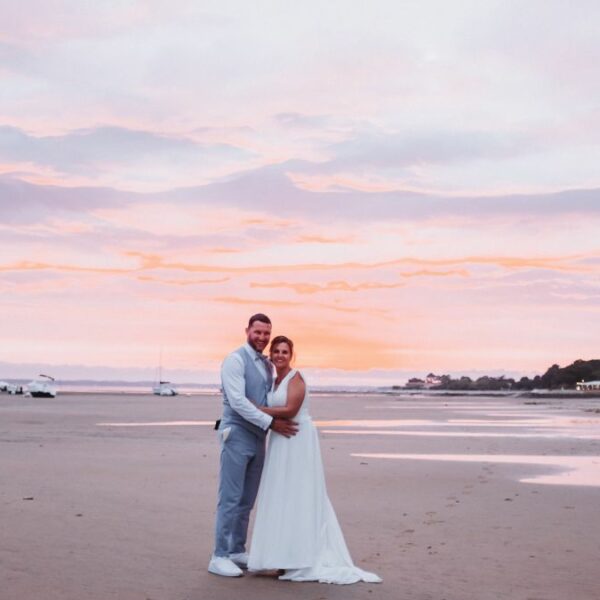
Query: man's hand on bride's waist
[285, 427]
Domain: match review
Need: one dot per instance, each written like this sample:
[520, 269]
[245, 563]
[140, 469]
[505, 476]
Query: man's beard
[253, 345]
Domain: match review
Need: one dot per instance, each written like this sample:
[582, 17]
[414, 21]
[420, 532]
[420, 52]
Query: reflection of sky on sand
[575, 470]
[157, 424]
[478, 407]
[460, 434]
[338, 423]
[374, 423]
[549, 426]
[509, 417]
[497, 419]
[499, 412]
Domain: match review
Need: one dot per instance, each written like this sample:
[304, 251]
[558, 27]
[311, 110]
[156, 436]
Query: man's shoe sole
[215, 572]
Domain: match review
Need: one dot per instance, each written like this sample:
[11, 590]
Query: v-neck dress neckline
[276, 386]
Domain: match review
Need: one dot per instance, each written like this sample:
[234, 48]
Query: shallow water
[574, 470]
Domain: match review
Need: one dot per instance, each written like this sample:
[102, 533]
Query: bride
[295, 527]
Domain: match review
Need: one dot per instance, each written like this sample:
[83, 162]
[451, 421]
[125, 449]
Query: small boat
[13, 388]
[3, 386]
[164, 388]
[42, 388]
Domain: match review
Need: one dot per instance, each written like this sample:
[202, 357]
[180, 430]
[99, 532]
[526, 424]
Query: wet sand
[111, 496]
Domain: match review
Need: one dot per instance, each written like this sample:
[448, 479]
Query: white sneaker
[221, 565]
[240, 559]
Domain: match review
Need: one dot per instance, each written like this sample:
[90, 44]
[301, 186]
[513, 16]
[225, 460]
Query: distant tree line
[554, 378]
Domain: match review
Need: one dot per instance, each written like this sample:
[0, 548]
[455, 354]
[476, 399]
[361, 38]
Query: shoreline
[432, 393]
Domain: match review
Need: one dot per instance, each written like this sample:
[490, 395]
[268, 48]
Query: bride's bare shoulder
[297, 381]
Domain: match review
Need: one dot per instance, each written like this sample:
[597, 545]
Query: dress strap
[284, 380]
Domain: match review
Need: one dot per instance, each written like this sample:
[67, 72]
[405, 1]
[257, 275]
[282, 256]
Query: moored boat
[42, 388]
[164, 388]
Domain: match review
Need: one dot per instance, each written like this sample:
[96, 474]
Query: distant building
[415, 384]
[432, 381]
[588, 386]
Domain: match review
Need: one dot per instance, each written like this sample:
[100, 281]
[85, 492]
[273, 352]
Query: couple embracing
[296, 530]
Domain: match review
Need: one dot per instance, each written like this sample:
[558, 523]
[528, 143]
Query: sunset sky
[403, 187]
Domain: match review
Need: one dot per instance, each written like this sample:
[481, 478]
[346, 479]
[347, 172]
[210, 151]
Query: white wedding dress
[295, 527]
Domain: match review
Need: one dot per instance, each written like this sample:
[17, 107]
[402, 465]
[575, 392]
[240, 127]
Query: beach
[458, 498]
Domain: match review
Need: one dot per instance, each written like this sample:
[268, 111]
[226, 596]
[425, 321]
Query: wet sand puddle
[574, 470]
[476, 418]
[492, 420]
[527, 427]
[500, 420]
[157, 424]
[507, 421]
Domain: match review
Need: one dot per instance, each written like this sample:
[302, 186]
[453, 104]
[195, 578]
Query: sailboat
[163, 388]
[42, 388]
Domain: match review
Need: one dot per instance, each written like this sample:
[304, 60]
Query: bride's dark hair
[281, 339]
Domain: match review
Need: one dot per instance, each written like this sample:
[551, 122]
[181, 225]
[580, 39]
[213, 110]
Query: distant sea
[207, 389]
[124, 387]
[145, 387]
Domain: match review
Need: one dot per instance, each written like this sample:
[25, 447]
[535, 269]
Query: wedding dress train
[296, 528]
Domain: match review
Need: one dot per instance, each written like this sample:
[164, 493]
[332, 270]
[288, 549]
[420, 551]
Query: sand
[447, 499]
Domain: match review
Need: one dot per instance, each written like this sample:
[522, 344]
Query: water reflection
[465, 434]
[574, 470]
[157, 424]
[549, 426]
[374, 423]
[447, 405]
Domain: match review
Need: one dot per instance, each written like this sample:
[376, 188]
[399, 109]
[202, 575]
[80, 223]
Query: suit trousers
[242, 459]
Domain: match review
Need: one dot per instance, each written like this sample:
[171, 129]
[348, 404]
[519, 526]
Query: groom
[246, 378]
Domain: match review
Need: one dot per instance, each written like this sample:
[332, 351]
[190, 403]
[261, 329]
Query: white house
[432, 381]
[588, 386]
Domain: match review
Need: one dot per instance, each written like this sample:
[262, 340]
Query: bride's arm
[295, 396]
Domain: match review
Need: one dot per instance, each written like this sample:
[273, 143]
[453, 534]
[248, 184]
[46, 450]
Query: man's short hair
[259, 317]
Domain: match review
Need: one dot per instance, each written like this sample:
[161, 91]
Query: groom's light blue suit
[242, 448]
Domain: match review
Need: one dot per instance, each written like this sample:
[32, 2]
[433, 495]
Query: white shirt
[234, 385]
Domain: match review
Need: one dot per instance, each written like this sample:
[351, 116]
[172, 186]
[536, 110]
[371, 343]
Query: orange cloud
[268, 222]
[294, 303]
[324, 347]
[331, 286]
[325, 344]
[149, 262]
[246, 301]
[28, 265]
[181, 281]
[321, 239]
[430, 273]
[561, 263]
[221, 250]
[344, 286]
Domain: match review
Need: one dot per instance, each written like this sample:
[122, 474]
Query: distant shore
[104, 389]
[563, 394]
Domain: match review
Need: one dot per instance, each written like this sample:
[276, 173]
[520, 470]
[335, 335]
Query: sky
[403, 187]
